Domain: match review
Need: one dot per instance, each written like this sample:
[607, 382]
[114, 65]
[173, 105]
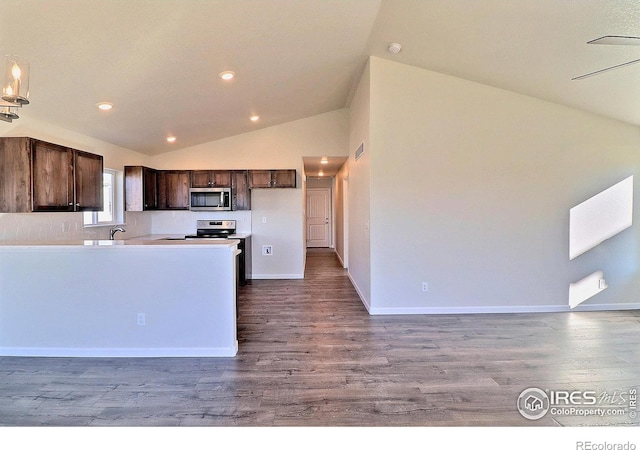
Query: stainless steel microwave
[210, 199]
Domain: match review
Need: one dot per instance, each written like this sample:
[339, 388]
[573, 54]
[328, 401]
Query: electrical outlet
[267, 250]
[142, 319]
[264, 220]
[425, 286]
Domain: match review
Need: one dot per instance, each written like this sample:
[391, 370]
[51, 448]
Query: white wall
[341, 214]
[114, 157]
[479, 182]
[75, 300]
[360, 184]
[278, 147]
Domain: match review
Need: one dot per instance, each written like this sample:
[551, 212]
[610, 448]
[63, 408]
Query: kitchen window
[113, 212]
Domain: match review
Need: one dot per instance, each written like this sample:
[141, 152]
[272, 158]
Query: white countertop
[155, 241]
[239, 236]
[148, 237]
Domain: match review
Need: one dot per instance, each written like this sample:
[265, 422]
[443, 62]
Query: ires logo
[572, 398]
[534, 403]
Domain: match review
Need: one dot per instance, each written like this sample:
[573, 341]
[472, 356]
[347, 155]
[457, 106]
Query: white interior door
[318, 217]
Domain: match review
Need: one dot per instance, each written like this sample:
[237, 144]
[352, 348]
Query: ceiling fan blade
[616, 40]
[597, 72]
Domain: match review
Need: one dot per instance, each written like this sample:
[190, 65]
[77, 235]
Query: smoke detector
[394, 47]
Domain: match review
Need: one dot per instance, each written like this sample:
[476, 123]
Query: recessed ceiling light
[104, 106]
[171, 139]
[228, 75]
[255, 118]
[324, 160]
[321, 173]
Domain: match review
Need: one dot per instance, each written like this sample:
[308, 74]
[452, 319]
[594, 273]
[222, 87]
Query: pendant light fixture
[6, 112]
[15, 87]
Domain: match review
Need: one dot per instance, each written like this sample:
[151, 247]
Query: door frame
[331, 213]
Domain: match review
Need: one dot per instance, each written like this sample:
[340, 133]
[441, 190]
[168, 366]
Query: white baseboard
[501, 309]
[364, 301]
[120, 352]
[277, 276]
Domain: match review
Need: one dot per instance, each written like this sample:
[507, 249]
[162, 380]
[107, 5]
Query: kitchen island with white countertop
[136, 297]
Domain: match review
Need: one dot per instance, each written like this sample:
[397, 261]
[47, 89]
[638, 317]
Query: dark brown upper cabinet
[15, 175]
[140, 188]
[88, 172]
[210, 178]
[285, 178]
[173, 189]
[41, 176]
[241, 194]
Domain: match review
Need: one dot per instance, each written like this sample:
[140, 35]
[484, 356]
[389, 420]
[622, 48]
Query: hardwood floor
[310, 355]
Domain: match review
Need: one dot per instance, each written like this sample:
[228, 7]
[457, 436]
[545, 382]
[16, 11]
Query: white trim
[501, 309]
[120, 352]
[362, 299]
[329, 210]
[117, 198]
[277, 276]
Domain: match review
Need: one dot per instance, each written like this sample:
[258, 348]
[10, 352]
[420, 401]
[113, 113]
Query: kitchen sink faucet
[114, 230]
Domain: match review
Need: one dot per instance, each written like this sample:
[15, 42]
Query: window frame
[91, 218]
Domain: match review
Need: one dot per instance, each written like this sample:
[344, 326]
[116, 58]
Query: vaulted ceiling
[158, 61]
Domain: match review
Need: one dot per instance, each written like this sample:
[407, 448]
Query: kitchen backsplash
[59, 226]
[184, 222]
[65, 226]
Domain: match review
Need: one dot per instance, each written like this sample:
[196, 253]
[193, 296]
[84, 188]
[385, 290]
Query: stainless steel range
[226, 229]
[213, 229]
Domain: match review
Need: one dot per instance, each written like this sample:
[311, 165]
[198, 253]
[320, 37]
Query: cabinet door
[150, 193]
[88, 181]
[273, 178]
[241, 200]
[200, 178]
[221, 178]
[210, 178]
[283, 178]
[259, 178]
[173, 189]
[52, 177]
[140, 188]
[15, 175]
